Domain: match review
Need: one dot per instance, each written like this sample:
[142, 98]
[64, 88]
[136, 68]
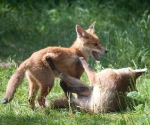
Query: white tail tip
[141, 70]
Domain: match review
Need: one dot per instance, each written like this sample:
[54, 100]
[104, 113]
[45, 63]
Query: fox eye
[95, 44]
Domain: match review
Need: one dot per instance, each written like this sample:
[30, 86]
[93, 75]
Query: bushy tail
[139, 72]
[14, 82]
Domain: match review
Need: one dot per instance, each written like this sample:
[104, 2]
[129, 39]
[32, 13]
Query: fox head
[90, 41]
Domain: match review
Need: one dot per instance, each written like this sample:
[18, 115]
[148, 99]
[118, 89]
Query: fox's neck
[79, 48]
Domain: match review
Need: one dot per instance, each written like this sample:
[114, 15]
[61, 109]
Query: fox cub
[41, 76]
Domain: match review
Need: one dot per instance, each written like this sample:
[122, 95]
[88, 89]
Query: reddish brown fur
[41, 76]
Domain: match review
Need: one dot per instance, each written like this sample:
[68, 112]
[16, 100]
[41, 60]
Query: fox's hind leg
[42, 78]
[46, 81]
[44, 91]
[33, 88]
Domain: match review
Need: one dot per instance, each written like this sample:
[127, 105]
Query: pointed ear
[91, 28]
[80, 31]
[139, 72]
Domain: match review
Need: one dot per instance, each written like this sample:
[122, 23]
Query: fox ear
[91, 28]
[80, 31]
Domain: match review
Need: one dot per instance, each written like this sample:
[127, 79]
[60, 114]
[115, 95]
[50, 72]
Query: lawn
[26, 27]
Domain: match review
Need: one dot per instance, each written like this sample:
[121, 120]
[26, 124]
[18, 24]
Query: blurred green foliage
[131, 5]
[122, 25]
[29, 25]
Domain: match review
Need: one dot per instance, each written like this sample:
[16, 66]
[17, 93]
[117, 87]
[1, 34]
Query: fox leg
[43, 78]
[46, 82]
[89, 71]
[51, 64]
[74, 85]
[33, 89]
[44, 91]
[45, 87]
[69, 95]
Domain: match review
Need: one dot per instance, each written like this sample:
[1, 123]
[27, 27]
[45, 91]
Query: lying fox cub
[109, 88]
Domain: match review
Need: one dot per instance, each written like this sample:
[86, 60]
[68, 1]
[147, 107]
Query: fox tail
[14, 82]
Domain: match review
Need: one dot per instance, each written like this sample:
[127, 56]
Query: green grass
[123, 30]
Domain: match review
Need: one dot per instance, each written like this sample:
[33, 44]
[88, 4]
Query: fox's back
[65, 59]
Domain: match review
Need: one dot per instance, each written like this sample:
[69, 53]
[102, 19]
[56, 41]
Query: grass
[123, 31]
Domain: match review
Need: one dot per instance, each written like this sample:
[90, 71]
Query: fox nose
[106, 51]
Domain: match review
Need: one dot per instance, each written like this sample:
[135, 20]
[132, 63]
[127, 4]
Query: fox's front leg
[89, 71]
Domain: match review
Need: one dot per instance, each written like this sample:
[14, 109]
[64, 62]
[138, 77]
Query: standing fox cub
[108, 93]
[41, 76]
